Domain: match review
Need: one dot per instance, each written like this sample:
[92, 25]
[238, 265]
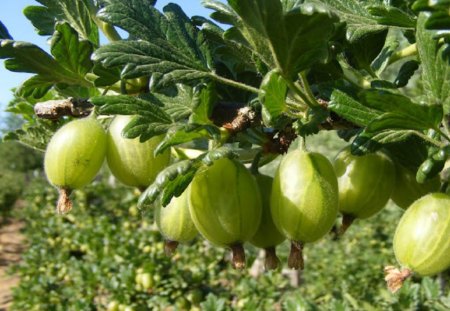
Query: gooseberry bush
[228, 95]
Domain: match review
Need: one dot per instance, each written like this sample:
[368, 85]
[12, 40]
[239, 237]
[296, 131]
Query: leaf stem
[108, 30]
[353, 76]
[446, 127]
[307, 88]
[254, 168]
[443, 134]
[408, 51]
[302, 144]
[429, 139]
[298, 91]
[235, 84]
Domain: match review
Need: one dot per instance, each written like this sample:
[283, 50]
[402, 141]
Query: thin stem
[300, 93]
[64, 204]
[353, 76]
[110, 32]
[307, 88]
[429, 139]
[446, 127]
[254, 168]
[442, 134]
[238, 253]
[302, 144]
[295, 260]
[170, 247]
[235, 84]
[410, 50]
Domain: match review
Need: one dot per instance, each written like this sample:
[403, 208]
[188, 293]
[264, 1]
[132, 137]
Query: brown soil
[11, 248]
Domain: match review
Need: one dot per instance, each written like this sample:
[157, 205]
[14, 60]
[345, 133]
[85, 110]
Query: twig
[55, 109]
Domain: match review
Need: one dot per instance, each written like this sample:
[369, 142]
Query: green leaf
[410, 152]
[42, 18]
[78, 13]
[365, 142]
[360, 22]
[72, 54]
[26, 57]
[36, 87]
[406, 72]
[390, 120]
[170, 44]
[435, 66]
[35, 135]
[175, 178]
[392, 16]
[438, 17]
[290, 41]
[425, 116]
[178, 106]
[150, 119]
[145, 127]
[212, 303]
[222, 12]
[186, 133]
[381, 61]
[311, 123]
[205, 96]
[71, 62]
[219, 153]
[4, 34]
[273, 95]
[106, 76]
[351, 109]
[360, 53]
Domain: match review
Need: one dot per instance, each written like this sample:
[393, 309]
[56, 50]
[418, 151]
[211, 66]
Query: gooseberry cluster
[229, 205]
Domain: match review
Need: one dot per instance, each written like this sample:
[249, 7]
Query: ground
[11, 247]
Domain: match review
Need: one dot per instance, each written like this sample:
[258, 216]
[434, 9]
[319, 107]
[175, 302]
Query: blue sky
[22, 30]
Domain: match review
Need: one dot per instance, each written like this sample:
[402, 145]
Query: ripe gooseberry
[365, 184]
[407, 189]
[267, 236]
[304, 200]
[422, 239]
[225, 206]
[175, 223]
[74, 156]
[132, 162]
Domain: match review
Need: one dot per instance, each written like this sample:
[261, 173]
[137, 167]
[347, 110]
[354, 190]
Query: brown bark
[55, 109]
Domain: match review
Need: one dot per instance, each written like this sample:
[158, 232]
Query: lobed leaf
[360, 22]
[205, 96]
[290, 41]
[77, 13]
[175, 177]
[435, 66]
[405, 73]
[4, 34]
[273, 95]
[416, 115]
[351, 109]
[392, 16]
[71, 62]
[186, 133]
[72, 54]
[150, 119]
[366, 142]
[170, 48]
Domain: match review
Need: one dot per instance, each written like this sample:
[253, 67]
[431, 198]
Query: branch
[55, 109]
[233, 117]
